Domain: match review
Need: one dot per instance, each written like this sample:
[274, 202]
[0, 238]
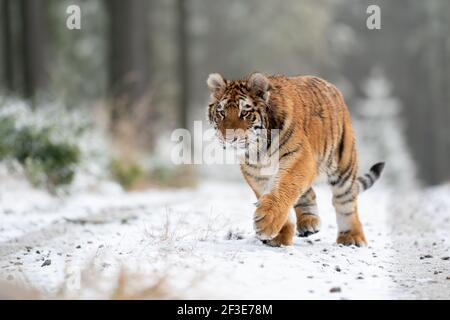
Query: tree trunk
[7, 44]
[183, 65]
[34, 40]
[129, 78]
[129, 54]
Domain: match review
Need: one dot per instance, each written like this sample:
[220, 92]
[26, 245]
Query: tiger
[315, 138]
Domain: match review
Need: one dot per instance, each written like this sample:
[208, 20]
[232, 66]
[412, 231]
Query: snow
[199, 243]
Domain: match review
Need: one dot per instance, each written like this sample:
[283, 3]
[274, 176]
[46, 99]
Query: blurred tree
[129, 53]
[7, 40]
[34, 48]
[380, 128]
[183, 63]
[129, 79]
[417, 66]
[78, 70]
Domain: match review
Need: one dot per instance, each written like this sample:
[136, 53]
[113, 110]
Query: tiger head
[239, 109]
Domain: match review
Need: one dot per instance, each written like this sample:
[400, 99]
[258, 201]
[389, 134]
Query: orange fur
[316, 136]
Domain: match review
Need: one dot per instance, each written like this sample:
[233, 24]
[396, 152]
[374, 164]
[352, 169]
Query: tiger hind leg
[345, 191]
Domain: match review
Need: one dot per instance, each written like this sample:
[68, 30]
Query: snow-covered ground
[199, 243]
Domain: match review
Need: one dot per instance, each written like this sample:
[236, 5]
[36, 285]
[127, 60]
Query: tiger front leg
[295, 175]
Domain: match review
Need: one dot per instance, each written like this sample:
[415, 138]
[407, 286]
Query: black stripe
[346, 201]
[276, 121]
[298, 205]
[341, 145]
[290, 153]
[304, 117]
[363, 183]
[318, 103]
[257, 178]
[331, 134]
[349, 170]
[308, 214]
[304, 204]
[325, 148]
[369, 177]
[252, 165]
[307, 192]
[330, 159]
[345, 193]
[346, 175]
[285, 137]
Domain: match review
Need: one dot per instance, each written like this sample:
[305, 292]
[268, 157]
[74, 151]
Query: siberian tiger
[315, 136]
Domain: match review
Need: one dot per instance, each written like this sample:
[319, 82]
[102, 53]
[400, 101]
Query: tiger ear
[216, 83]
[259, 84]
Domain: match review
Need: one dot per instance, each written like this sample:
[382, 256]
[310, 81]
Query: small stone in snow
[335, 289]
[360, 278]
[445, 258]
[337, 268]
[78, 247]
[427, 256]
[46, 263]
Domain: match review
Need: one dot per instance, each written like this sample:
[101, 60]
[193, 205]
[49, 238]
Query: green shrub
[45, 162]
[127, 174]
[173, 176]
[7, 128]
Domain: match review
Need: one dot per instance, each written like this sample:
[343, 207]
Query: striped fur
[366, 181]
[315, 136]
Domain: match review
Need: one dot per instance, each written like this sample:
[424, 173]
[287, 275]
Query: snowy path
[200, 244]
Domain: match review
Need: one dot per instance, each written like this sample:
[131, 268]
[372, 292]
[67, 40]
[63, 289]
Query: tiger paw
[307, 224]
[268, 219]
[284, 237]
[349, 238]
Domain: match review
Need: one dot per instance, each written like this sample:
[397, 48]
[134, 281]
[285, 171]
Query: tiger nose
[229, 125]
